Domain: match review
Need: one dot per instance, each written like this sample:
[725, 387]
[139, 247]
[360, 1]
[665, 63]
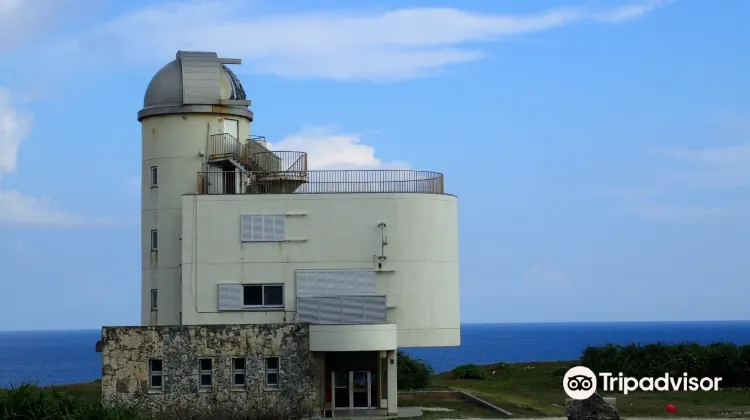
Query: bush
[413, 373]
[31, 402]
[470, 371]
[559, 372]
[725, 360]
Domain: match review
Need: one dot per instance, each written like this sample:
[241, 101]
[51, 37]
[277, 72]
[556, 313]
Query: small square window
[205, 375]
[272, 363]
[206, 379]
[156, 381]
[273, 295]
[263, 295]
[239, 380]
[272, 372]
[155, 374]
[154, 240]
[154, 176]
[154, 299]
[252, 295]
[272, 380]
[238, 372]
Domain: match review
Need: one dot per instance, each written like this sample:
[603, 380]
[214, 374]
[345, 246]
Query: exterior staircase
[266, 172]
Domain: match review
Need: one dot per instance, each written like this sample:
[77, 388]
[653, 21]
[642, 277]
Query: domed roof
[165, 87]
[195, 78]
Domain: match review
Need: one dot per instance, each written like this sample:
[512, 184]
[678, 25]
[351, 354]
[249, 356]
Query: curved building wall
[173, 144]
[420, 275]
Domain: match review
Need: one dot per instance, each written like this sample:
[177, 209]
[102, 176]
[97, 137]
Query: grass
[535, 390]
[88, 391]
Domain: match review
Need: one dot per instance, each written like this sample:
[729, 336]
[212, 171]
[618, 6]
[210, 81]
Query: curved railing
[321, 182]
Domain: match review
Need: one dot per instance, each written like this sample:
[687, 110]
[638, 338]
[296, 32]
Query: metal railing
[254, 157]
[321, 182]
[224, 146]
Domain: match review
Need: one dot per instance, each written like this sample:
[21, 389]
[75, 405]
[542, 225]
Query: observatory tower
[189, 99]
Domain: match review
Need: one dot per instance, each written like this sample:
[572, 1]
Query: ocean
[64, 357]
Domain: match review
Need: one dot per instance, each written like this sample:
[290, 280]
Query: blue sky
[600, 150]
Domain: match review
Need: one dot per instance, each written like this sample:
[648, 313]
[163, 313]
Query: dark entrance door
[341, 390]
[361, 389]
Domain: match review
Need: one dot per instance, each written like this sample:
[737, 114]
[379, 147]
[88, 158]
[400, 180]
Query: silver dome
[192, 80]
[165, 87]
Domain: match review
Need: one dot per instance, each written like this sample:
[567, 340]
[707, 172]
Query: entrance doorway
[352, 390]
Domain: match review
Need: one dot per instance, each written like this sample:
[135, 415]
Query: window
[154, 177]
[236, 297]
[263, 228]
[154, 240]
[155, 374]
[238, 372]
[263, 295]
[205, 375]
[154, 302]
[272, 372]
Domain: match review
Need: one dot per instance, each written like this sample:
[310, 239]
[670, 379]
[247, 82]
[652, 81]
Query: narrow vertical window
[205, 379]
[155, 374]
[154, 240]
[154, 176]
[272, 372]
[154, 299]
[238, 372]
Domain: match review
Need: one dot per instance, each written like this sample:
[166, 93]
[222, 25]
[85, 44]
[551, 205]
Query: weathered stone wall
[127, 350]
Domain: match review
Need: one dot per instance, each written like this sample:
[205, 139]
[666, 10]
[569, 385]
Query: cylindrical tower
[195, 119]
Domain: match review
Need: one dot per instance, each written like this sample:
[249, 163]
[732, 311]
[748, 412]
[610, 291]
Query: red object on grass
[671, 408]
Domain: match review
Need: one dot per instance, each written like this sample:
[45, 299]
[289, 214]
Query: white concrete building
[234, 233]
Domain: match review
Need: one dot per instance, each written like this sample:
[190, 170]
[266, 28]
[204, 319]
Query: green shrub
[470, 371]
[413, 373]
[559, 372]
[29, 402]
[725, 360]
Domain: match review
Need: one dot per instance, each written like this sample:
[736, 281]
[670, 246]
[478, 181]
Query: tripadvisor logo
[580, 383]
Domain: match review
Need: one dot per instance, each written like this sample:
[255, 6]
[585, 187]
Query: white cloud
[328, 149]
[703, 170]
[23, 20]
[398, 44]
[347, 165]
[14, 128]
[632, 11]
[16, 208]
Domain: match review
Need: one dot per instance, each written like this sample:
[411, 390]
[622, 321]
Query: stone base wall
[126, 352]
